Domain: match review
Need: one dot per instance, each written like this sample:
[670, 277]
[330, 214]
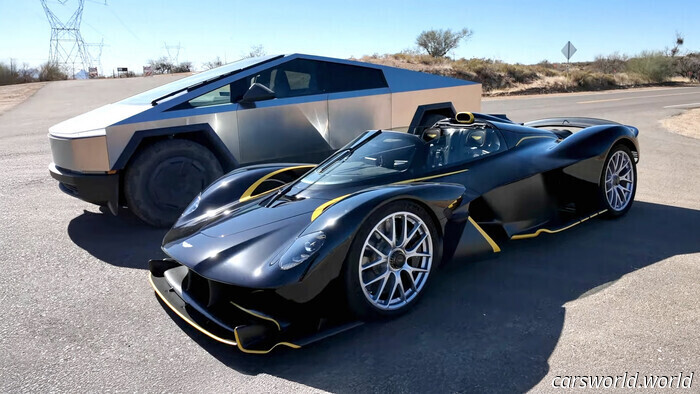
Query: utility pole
[67, 48]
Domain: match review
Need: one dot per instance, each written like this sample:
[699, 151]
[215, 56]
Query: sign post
[568, 51]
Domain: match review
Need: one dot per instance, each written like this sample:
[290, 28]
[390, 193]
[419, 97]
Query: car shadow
[122, 240]
[486, 326]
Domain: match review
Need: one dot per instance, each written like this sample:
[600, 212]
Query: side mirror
[257, 92]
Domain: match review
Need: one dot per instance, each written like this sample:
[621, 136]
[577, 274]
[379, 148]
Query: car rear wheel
[164, 177]
[618, 183]
[390, 261]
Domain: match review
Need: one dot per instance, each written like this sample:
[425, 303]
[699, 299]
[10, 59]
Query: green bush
[653, 66]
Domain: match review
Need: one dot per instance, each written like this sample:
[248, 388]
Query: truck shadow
[122, 240]
[486, 326]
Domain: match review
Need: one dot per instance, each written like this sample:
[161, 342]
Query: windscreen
[387, 153]
[148, 96]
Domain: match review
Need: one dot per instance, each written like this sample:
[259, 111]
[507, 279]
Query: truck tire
[164, 177]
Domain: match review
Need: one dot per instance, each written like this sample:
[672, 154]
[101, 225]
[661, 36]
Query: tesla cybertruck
[258, 261]
[155, 151]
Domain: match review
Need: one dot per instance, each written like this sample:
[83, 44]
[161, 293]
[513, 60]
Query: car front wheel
[390, 261]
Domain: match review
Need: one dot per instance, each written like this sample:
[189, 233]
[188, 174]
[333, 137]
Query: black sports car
[281, 254]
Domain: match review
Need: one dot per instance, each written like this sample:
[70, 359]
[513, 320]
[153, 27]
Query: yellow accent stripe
[318, 211]
[430, 177]
[190, 322]
[491, 242]
[214, 337]
[244, 350]
[545, 230]
[259, 316]
[536, 136]
[248, 194]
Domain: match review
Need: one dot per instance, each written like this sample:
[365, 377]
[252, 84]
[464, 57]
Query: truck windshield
[148, 96]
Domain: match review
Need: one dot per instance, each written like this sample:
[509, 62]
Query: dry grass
[498, 78]
[687, 123]
[11, 95]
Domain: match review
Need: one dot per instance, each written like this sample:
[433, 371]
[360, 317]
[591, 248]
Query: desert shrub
[519, 73]
[687, 66]
[183, 67]
[161, 65]
[50, 71]
[611, 64]
[654, 66]
[591, 80]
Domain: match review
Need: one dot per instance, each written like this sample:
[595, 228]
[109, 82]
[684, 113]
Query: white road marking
[636, 97]
[691, 105]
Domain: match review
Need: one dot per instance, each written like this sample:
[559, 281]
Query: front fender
[342, 219]
[230, 192]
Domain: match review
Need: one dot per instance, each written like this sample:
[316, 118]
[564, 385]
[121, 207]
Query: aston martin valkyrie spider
[281, 254]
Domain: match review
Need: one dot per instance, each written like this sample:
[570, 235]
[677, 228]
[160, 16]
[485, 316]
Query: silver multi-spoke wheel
[619, 180]
[395, 261]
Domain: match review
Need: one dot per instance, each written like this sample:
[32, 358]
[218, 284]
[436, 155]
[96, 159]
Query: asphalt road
[605, 297]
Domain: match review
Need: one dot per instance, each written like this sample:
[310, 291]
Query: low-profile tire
[164, 177]
[377, 258]
[618, 182]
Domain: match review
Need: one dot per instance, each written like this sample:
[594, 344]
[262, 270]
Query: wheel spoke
[374, 264]
[402, 292]
[413, 281]
[377, 279]
[375, 250]
[393, 231]
[417, 254]
[378, 231]
[381, 289]
[393, 289]
[418, 244]
[410, 235]
[404, 230]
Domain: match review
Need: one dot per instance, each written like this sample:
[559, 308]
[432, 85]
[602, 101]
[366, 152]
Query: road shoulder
[687, 123]
[11, 95]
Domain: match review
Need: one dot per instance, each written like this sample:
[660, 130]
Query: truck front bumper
[101, 189]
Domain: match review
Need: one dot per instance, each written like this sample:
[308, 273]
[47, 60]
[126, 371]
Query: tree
[677, 46]
[255, 51]
[162, 65]
[439, 42]
[213, 64]
[183, 67]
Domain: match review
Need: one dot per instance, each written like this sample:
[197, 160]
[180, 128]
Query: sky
[525, 32]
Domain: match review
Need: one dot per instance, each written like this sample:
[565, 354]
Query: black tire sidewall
[137, 185]
[611, 213]
[357, 302]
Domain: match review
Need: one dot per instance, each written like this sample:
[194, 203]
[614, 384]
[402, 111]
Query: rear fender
[595, 141]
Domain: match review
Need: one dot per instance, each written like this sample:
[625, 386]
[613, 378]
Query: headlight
[193, 205]
[302, 249]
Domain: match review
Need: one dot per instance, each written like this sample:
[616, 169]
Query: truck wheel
[164, 177]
